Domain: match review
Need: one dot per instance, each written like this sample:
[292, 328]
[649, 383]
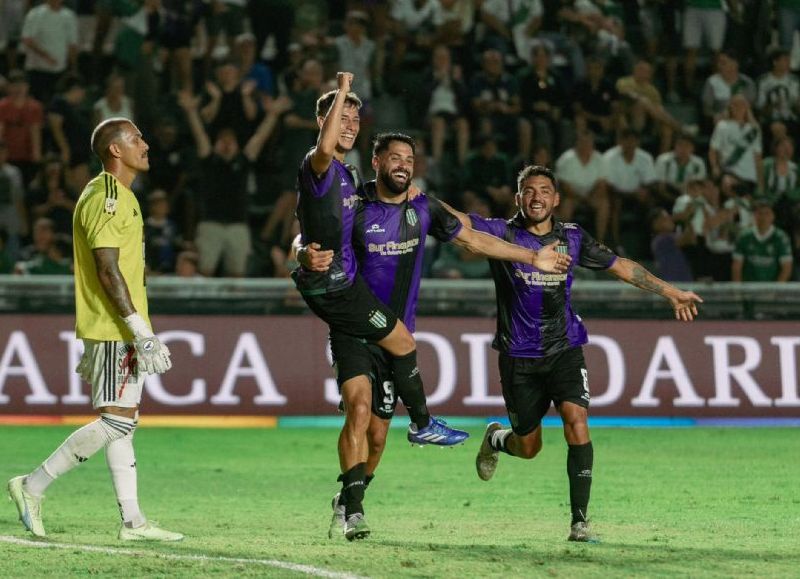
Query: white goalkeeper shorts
[111, 369]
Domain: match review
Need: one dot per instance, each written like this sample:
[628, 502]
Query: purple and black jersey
[389, 242]
[326, 209]
[534, 311]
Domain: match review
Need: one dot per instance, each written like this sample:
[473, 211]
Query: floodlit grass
[694, 503]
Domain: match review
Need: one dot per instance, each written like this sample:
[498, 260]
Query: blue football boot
[437, 432]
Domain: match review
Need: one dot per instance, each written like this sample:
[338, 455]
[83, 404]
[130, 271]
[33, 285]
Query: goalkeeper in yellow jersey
[119, 344]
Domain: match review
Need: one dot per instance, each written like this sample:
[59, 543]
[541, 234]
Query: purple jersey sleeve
[317, 185]
[594, 255]
[496, 227]
[444, 225]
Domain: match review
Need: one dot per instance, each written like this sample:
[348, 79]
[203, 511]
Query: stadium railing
[592, 299]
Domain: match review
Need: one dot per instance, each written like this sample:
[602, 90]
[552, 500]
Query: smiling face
[537, 198]
[395, 167]
[348, 133]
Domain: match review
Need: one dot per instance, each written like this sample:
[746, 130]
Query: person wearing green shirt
[764, 252]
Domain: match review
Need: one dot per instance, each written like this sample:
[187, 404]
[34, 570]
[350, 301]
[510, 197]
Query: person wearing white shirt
[630, 172]
[675, 168]
[50, 38]
[734, 153]
[582, 183]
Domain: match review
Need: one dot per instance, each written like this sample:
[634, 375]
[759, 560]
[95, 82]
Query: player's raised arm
[684, 303]
[546, 259]
[331, 126]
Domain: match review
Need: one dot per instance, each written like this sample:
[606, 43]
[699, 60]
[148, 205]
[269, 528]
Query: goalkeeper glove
[152, 356]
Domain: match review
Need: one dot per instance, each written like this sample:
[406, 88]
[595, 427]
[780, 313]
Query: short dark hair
[535, 171]
[106, 133]
[382, 141]
[325, 102]
[776, 54]
[69, 81]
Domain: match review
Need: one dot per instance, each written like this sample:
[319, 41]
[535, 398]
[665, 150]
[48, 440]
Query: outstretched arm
[274, 109]
[189, 104]
[331, 127]
[684, 303]
[546, 259]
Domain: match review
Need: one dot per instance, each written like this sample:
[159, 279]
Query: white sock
[77, 448]
[121, 462]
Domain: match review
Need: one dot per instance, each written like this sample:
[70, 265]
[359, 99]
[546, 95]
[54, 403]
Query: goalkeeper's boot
[356, 527]
[338, 521]
[486, 461]
[437, 432]
[150, 531]
[582, 533]
[29, 506]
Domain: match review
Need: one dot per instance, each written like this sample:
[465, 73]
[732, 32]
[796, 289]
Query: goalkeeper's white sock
[121, 462]
[77, 448]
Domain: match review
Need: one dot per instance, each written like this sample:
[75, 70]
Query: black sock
[580, 458]
[408, 386]
[353, 489]
[367, 480]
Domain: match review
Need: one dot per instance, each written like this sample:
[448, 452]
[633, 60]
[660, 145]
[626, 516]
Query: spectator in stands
[13, 214]
[720, 87]
[228, 17]
[6, 261]
[252, 68]
[114, 102]
[643, 105]
[499, 18]
[788, 22]
[667, 246]
[630, 174]
[543, 97]
[186, 265]
[447, 106]
[675, 168]
[12, 15]
[71, 130]
[719, 233]
[229, 102]
[496, 102]
[50, 254]
[50, 37]
[764, 252]
[223, 233]
[21, 118]
[298, 135]
[596, 103]
[582, 183]
[701, 19]
[413, 28]
[454, 21]
[487, 173]
[50, 197]
[160, 234]
[734, 153]
[782, 187]
[779, 94]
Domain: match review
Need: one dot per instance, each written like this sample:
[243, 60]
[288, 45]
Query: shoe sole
[490, 428]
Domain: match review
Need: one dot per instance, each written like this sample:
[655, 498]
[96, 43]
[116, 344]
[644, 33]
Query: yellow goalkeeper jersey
[107, 215]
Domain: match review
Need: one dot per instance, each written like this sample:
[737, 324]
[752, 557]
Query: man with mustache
[119, 344]
[540, 337]
[388, 242]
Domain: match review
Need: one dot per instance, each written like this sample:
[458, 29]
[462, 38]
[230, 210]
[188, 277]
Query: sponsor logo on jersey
[537, 278]
[376, 228]
[393, 247]
[351, 202]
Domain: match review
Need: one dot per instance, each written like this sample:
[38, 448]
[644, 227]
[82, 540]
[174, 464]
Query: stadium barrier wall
[279, 366]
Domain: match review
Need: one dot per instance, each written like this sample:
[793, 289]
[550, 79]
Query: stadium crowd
[669, 123]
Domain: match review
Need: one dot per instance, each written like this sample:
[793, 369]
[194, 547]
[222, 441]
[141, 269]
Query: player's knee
[529, 447]
[115, 426]
[358, 414]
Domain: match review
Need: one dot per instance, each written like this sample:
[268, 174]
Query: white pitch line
[305, 569]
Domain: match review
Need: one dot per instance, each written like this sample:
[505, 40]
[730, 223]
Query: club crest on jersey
[111, 205]
[377, 319]
[562, 248]
[411, 217]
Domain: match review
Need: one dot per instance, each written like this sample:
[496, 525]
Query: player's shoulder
[104, 191]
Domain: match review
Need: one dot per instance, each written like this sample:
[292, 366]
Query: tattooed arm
[684, 303]
[106, 261]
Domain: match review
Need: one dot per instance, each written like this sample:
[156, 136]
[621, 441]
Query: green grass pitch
[687, 503]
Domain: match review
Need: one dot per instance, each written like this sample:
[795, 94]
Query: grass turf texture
[695, 502]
